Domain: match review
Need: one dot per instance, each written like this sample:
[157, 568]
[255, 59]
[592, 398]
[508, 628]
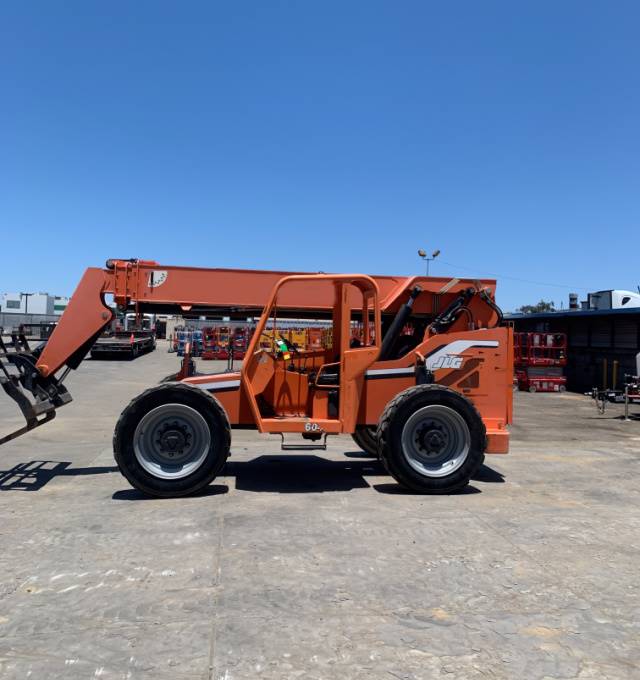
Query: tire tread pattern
[384, 445]
[365, 437]
[136, 409]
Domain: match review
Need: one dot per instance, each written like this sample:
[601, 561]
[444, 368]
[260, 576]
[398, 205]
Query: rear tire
[172, 440]
[431, 439]
[365, 437]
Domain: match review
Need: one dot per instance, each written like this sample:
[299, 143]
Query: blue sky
[335, 136]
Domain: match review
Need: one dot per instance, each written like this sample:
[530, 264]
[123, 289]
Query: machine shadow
[267, 473]
[359, 454]
[488, 475]
[484, 474]
[313, 474]
[32, 476]
[135, 495]
[301, 474]
[395, 489]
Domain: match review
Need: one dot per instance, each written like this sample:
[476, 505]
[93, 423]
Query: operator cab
[313, 390]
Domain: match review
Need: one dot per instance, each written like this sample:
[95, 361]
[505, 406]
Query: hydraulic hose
[487, 298]
[397, 325]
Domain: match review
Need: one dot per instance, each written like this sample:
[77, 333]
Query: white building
[60, 304]
[33, 303]
[27, 303]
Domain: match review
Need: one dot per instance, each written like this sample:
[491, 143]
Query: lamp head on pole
[424, 256]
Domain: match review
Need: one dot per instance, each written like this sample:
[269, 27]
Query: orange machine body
[328, 390]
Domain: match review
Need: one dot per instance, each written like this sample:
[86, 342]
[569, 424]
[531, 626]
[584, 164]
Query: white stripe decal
[437, 359]
[220, 385]
[390, 371]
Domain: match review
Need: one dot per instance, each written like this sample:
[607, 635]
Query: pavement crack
[217, 589]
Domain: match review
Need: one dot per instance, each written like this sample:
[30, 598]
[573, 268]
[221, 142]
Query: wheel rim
[172, 441]
[436, 441]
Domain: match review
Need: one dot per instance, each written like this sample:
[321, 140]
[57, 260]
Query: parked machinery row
[187, 337]
[217, 341]
[210, 342]
[306, 339]
[539, 361]
[222, 342]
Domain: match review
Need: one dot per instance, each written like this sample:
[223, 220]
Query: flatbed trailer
[124, 344]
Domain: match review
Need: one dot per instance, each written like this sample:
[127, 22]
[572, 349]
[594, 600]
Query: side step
[304, 447]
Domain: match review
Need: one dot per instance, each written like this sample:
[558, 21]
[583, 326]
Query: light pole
[26, 297]
[423, 255]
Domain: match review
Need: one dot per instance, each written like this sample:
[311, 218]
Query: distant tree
[542, 306]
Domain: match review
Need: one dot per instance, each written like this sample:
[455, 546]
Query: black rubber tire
[389, 434]
[210, 409]
[365, 437]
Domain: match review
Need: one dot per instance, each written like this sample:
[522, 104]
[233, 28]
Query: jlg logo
[447, 361]
[449, 355]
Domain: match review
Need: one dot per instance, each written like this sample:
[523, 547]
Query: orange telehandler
[429, 404]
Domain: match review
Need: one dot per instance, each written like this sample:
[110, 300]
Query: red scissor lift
[210, 342]
[224, 334]
[240, 342]
[539, 361]
[217, 340]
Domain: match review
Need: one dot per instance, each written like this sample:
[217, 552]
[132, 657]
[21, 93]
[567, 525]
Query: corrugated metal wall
[595, 344]
[625, 334]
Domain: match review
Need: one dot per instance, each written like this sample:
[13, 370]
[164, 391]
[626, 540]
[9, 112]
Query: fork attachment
[19, 376]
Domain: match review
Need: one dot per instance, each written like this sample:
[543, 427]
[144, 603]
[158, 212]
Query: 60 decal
[312, 427]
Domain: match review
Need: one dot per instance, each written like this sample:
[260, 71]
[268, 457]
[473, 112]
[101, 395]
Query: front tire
[172, 440]
[432, 439]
